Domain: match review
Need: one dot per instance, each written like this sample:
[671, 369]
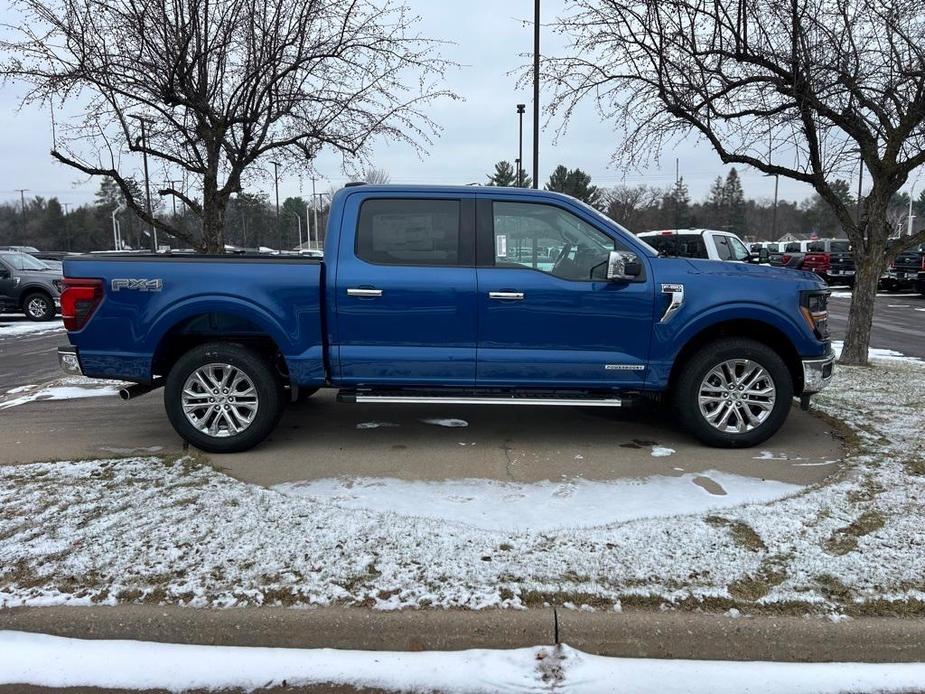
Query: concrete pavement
[320, 438]
[631, 634]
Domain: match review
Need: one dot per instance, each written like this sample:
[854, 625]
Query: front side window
[409, 232]
[549, 239]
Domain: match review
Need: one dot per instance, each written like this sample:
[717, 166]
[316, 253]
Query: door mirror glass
[623, 266]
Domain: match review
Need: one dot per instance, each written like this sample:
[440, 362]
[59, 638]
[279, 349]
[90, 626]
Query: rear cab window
[392, 231]
[681, 245]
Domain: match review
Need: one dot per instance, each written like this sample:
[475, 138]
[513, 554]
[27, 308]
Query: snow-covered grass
[16, 326]
[179, 531]
[53, 661]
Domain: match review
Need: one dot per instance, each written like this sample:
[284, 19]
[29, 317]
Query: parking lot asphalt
[322, 438]
[899, 320]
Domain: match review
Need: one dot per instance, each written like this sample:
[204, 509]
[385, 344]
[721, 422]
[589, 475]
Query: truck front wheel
[734, 393]
[222, 397]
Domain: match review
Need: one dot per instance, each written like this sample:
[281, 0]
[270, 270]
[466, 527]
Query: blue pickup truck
[435, 294]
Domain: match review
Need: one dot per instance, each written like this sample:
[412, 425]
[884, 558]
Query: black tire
[38, 306]
[711, 355]
[270, 396]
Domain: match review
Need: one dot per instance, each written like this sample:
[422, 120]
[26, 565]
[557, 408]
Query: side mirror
[623, 266]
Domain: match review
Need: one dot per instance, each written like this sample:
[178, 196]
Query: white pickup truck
[708, 244]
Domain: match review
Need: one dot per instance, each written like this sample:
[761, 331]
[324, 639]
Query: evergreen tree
[576, 183]
[506, 175]
[676, 205]
[734, 198]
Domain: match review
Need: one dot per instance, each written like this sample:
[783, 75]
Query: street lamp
[144, 154]
[279, 229]
[911, 216]
[536, 93]
[298, 220]
[774, 212]
[520, 146]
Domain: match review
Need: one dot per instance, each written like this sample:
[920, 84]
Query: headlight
[814, 307]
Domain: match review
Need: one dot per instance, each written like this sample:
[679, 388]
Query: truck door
[547, 315]
[405, 307]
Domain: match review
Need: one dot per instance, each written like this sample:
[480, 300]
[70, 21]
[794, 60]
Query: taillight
[79, 300]
[785, 258]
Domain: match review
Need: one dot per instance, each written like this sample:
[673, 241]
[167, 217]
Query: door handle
[354, 291]
[510, 296]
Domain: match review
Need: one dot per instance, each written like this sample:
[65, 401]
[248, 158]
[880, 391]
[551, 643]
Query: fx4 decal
[137, 285]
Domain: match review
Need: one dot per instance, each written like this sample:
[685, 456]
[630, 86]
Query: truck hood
[722, 268]
[33, 275]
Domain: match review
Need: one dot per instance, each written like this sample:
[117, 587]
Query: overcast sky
[489, 37]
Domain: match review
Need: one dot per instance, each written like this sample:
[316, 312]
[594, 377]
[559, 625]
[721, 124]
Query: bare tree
[806, 89]
[631, 205]
[376, 177]
[223, 85]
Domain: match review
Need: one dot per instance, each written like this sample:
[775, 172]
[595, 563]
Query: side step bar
[479, 400]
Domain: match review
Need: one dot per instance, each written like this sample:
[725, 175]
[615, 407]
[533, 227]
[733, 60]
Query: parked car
[906, 272]
[29, 286]
[438, 295]
[707, 244]
[790, 255]
[831, 259]
[31, 250]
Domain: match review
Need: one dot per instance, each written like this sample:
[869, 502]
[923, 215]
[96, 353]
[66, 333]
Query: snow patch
[877, 353]
[662, 451]
[539, 506]
[446, 422]
[61, 393]
[376, 425]
[18, 328]
[54, 661]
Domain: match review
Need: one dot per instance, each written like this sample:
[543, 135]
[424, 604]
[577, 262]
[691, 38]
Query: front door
[548, 317]
[405, 292]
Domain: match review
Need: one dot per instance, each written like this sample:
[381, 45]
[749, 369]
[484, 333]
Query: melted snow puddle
[540, 506]
[453, 423]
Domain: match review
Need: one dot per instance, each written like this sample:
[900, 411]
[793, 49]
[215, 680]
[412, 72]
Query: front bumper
[68, 361]
[817, 373]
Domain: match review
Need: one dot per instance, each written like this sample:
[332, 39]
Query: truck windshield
[21, 261]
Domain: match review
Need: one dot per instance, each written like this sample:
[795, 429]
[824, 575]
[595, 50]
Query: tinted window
[409, 232]
[681, 245]
[841, 246]
[549, 239]
[816, 247]
[792, 248]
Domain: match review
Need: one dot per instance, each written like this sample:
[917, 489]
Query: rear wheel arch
[757, 330]
[216, 327]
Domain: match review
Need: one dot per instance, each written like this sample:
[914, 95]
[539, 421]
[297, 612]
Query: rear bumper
[817, 373]
[68, 361]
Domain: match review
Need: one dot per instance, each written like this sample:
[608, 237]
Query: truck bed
[148, 298]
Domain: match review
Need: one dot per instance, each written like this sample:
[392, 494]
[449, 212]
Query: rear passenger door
[405, 291]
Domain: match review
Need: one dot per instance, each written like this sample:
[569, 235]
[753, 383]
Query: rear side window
[841, 246]
[722, 247]
[816, 247]
[409, 232]
[681, 245]
[792, 248]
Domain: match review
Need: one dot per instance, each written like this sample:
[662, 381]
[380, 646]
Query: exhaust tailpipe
[137, 389]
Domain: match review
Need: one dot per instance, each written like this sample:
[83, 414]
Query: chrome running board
[479, 400]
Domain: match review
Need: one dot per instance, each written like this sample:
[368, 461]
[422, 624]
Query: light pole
[774, 210]
[911, 216]
[22, 199]
[320, 196]
[279, 229]
[314, 213]
[536, 93]
[144, 154]
[67, 236]
[173, 184]
[521, 108]
[298, 220]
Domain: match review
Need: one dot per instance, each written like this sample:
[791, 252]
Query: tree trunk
[869, 265]
[213, 211]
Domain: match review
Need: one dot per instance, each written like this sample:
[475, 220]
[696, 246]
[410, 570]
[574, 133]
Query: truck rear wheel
[734, 393]
[223, 397]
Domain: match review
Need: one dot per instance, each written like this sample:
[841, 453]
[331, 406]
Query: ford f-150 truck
[452, 294]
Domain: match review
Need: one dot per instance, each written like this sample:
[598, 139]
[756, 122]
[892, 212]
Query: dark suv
[29, 286]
